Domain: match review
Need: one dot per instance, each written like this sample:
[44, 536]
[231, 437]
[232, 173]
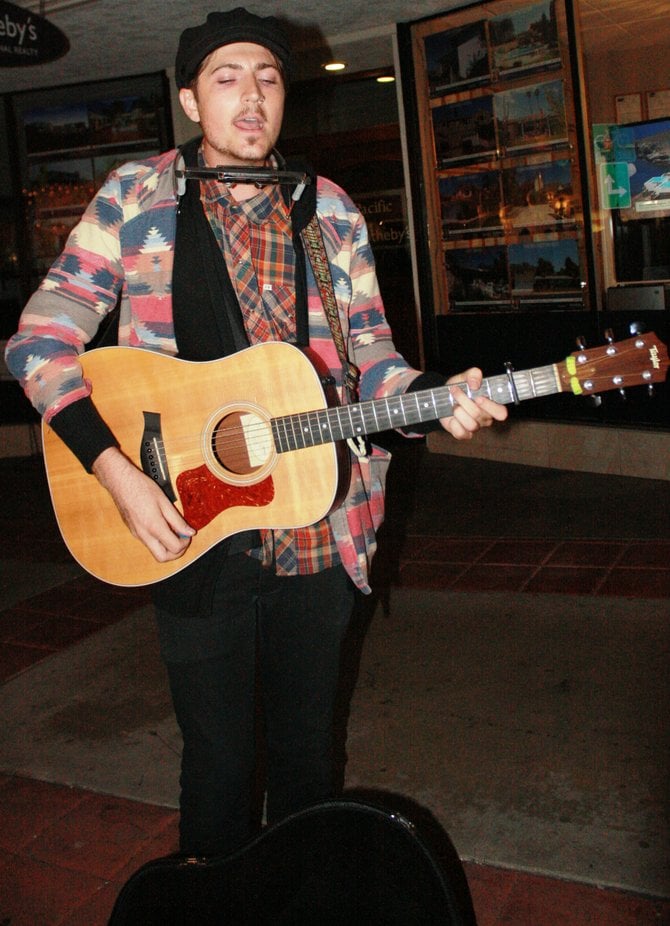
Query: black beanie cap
[238, 25]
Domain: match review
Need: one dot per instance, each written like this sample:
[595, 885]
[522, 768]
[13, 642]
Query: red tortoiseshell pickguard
[203, 496]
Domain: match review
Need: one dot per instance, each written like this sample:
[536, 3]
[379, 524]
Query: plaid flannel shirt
[255, 238]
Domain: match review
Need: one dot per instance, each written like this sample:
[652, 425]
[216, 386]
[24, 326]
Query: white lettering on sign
[26, 38]
[379, 207]
[387, 234]
[13, 30]
[17, 50]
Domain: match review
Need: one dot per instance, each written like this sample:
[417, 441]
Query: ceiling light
[386, 79]
[334, 66]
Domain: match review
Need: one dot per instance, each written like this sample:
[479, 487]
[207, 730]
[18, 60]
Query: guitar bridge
[152, 454]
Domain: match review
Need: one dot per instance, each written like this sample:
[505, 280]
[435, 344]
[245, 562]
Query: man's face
[239, 102]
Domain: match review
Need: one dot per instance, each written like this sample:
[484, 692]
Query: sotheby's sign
[26, 38]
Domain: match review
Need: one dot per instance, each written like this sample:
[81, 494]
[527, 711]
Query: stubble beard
[244, 151]
[244, 154]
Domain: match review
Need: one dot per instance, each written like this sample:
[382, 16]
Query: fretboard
[307, 429]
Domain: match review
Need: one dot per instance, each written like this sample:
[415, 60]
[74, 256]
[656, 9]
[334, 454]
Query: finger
[472, 377]
[482, 409]
[174, 534]
[464, 403]
[467, 418]
[167, 546]
[175, 521]
[494, 409]
[164, 540]
[454, 426]
[468, 422]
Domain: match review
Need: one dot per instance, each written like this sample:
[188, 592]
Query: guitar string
[231, 444]
[234, 440]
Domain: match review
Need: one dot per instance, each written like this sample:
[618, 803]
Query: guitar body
[204, 429]
[339, 863]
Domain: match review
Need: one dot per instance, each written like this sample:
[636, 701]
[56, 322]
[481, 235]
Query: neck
[238, 191]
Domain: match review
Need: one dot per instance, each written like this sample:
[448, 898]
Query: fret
[521, 384]
[546, 379]
[335, 421]
[376, 428]
[325, 428]
[279, 435]
[499, 389]
[384, 406]
[370, 419]
[396, 411]
[445, 402]
[293, 422]
[310, 428]
[289, 435]
[357, 427]
[426, 403]
[297, 437]
[537, 382]
[412, 407]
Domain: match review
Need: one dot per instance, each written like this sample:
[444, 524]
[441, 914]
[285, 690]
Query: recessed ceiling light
[334, 66]
[386, 79]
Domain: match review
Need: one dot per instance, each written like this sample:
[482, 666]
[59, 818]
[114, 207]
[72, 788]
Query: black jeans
[281, 635]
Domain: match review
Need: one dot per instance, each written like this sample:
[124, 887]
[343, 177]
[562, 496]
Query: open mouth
[250, 122]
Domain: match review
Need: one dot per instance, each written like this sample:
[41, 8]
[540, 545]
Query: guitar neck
[307, 429]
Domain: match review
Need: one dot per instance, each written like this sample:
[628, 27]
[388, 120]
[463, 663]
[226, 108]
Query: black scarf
[208, 325]
[207, 317]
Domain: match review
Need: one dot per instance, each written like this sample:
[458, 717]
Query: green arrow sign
[615, 185]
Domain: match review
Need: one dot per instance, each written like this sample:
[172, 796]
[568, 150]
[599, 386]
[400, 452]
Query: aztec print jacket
[123, 248]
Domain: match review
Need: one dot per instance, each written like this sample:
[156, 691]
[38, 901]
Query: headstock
[638, 361]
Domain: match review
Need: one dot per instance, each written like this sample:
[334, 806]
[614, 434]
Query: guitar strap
[319, 260]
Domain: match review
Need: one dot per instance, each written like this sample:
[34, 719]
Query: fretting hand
[471, 414]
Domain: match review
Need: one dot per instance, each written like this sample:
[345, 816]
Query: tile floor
[46, 622]
[639, 569]
[64, 852]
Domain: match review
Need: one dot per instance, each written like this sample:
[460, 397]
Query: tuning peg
[637, 328]
[596, 400]
[651, 392]
[622, 393]
[581, 342]
[609, 335]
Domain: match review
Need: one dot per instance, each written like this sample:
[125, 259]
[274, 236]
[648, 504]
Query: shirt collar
[258, 209]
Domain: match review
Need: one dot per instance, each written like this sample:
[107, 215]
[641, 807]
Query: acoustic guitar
[250, 441]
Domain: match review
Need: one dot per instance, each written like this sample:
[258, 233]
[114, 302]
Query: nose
[252, 91]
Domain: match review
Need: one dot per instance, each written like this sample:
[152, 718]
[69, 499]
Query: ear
[189, 104]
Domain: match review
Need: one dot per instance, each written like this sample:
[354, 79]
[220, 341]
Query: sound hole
[242, 442]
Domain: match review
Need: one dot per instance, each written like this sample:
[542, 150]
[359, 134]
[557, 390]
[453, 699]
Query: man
[226, 267]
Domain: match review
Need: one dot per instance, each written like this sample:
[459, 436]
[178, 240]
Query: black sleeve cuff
[428, 380]
[80, 426]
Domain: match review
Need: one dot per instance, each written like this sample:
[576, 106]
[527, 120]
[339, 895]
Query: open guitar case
[340, 863]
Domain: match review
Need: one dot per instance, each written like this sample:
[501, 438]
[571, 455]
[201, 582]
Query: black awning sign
[26, 38]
